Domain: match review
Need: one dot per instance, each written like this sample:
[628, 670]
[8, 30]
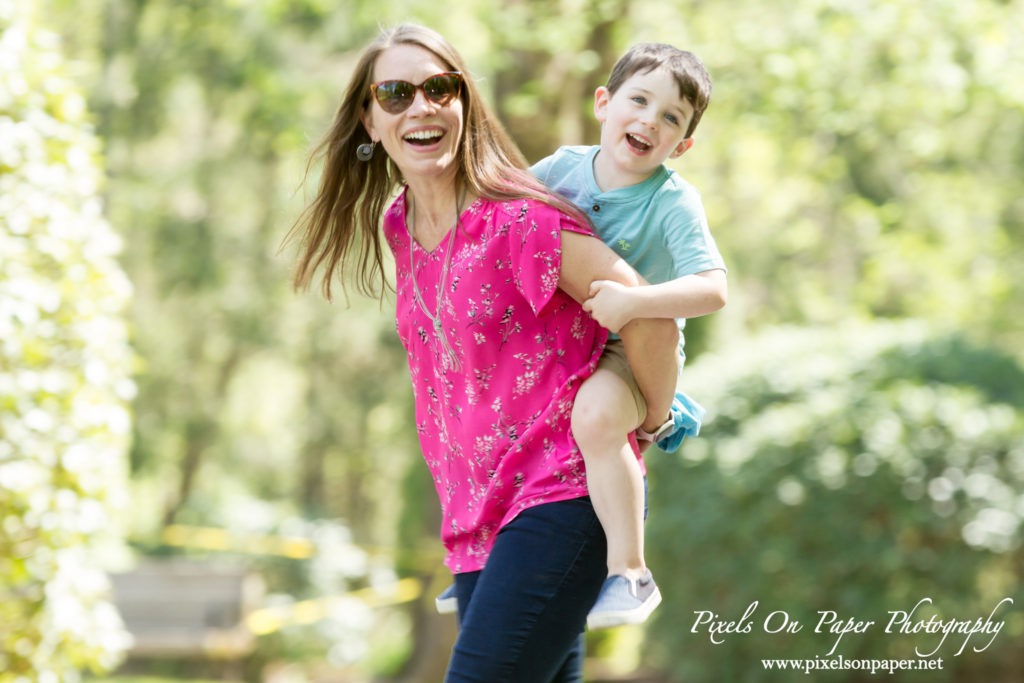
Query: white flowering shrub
[64, 370]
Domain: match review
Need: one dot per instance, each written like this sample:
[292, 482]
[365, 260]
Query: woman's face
[424, 139]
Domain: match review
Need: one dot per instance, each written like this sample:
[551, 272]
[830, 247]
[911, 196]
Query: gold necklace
[435, 318]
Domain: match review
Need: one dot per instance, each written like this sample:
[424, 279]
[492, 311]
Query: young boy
[655, 221]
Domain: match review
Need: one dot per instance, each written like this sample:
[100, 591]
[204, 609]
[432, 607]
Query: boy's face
[643, 124]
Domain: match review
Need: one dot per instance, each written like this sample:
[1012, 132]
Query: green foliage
[864, 158]
[856, 469]
[208, 110]
[64, 370]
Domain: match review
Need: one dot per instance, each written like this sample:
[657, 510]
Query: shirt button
[597, 207]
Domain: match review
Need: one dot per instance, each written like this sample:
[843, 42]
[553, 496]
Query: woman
[490, 273]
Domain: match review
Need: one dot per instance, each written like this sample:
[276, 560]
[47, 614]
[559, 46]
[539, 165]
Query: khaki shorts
[614, 359]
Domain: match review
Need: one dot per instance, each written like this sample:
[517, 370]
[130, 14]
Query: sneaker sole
[625, 617]
[447, 606]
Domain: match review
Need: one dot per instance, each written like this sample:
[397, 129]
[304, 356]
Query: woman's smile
[424, 137]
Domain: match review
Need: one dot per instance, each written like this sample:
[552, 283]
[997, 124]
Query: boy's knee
[667, 333]
[597, 423]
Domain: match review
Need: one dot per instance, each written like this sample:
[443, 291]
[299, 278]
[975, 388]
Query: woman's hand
[652, 344]
[610, 303]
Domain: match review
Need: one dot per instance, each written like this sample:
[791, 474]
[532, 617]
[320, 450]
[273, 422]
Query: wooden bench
[178, 608]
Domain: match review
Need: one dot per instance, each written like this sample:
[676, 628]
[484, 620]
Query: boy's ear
[601, 97]
[681, 148]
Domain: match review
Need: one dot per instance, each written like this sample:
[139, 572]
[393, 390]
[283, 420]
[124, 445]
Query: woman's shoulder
[521, 207]
[393, 222]
[396, 208]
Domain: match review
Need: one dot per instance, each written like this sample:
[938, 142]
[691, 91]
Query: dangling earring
[364, 152]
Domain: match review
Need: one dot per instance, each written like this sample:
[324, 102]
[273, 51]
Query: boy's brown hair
[690, 74]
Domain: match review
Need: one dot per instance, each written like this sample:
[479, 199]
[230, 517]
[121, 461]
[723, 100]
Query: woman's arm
[652, 345]
[689, 296]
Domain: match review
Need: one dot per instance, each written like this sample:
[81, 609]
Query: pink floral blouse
[494, 424]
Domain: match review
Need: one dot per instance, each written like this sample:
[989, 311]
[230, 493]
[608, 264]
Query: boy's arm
[689, 296]
[652, 344]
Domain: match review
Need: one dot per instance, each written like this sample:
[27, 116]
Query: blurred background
[206, 476]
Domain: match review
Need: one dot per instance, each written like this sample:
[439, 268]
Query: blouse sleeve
[535, 246]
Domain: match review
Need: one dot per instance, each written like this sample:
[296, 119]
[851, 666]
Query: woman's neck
[436, 205]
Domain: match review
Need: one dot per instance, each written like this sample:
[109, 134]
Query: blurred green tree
[208, 109]
[863, 159]
[857, 469]
[64, 370]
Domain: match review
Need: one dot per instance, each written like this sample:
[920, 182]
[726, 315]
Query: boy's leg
[653, 357]
[604, 413]
[608, 407]
[521, 616]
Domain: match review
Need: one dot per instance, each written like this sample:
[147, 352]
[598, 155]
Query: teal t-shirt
[657, 226]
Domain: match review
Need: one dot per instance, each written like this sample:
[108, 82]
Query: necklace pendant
[437, 326]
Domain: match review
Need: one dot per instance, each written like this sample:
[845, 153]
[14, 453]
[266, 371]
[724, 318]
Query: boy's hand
[610, 303]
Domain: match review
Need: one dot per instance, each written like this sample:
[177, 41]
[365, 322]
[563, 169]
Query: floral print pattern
[495, 429]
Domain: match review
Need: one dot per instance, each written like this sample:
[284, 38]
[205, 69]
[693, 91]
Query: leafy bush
[859, 470]
[64, 370]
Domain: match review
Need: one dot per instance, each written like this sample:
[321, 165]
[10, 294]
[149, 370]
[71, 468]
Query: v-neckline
[410, 231]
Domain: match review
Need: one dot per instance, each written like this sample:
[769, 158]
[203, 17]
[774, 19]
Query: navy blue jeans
[521, 618]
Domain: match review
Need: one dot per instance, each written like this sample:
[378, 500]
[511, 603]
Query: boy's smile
[643, 123]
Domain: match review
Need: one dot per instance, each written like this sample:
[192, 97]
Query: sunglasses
[394, 97]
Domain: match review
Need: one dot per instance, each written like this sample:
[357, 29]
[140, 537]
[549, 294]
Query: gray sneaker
[446, 602]
[624, 601]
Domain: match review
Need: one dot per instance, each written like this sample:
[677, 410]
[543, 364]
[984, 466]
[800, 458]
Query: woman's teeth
[423, 137]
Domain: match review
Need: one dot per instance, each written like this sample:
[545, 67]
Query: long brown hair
[340, 229]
